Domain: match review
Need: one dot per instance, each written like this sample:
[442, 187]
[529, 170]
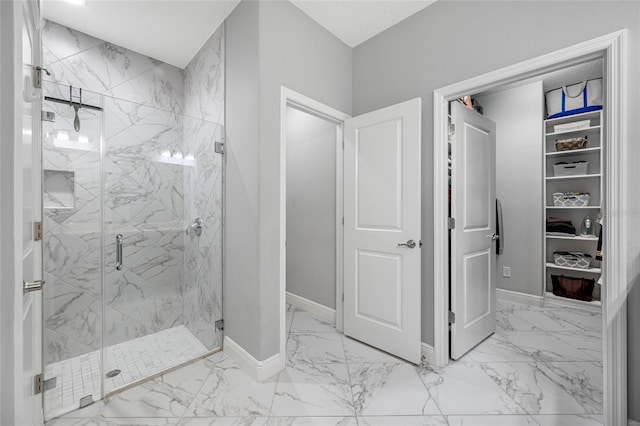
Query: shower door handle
[119, 252]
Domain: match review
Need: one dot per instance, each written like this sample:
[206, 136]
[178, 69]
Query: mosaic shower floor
[80, 376]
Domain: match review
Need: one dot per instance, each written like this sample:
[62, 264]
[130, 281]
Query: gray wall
[269, 45]
[518, 114]
[241, 304]
[426, 52]
[297, 53]
[311, 207]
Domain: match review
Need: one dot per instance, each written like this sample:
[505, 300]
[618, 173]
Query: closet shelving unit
[591, 182]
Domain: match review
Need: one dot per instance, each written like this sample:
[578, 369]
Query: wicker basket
[571, 199]
[570, 144]
[572, 259]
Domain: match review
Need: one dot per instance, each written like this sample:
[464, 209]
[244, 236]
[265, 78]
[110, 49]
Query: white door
[382, 229]
[473, 206]
[31, 203]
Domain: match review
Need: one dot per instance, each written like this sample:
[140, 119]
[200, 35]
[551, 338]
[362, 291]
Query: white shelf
[594, 150]
[572, 207]
[568, 268]
[575, 117]
[576, 238]
[591, 130]
[597, 175]
[591, 182]
[566, 301]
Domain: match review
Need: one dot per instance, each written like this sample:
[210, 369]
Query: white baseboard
[320, 311]
[514, 296]
[428, 354]
[633, 423]
[258, 370]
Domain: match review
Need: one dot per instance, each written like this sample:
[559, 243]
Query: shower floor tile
[80, 376]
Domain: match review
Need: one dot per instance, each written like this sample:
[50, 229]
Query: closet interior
[550, 184]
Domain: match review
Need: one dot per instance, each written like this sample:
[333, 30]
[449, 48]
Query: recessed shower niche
[58, 189]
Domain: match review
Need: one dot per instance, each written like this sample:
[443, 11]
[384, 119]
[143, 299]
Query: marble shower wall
[204, 109]
[72, 198]
[147, 200]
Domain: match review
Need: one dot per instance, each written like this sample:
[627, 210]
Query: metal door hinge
[219, 148]
[452, 129]
[37, 231]
[37, 76]
[49, 116]
[37, 384]
[343, 297]
[86, 400]
[220, 324]
[452, 223]
[50, 384]
[452, 318]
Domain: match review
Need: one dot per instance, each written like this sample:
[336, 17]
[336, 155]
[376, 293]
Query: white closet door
[473, 205]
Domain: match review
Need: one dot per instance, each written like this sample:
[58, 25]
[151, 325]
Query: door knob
[29, 286]
[409, 244]
[493, 236]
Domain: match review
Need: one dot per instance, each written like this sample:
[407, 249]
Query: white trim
[290, 97]
[320, 311]
[428, 354]
[339, 228]
[258, 370]
[614, 331]
[612, 48]
[514, 296]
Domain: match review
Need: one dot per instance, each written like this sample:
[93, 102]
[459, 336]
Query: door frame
[304, 103]
[11, 292]
[612, 48]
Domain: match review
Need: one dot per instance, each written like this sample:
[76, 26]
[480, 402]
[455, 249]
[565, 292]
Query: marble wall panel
[150, 107]
[202, 127]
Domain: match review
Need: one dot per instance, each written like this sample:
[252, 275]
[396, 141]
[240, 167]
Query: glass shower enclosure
[132, 233]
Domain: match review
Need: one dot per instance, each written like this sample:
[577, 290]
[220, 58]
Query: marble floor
[542, 368]
[79, 377]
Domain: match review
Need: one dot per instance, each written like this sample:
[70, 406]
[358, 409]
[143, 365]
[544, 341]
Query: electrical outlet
[506, 271]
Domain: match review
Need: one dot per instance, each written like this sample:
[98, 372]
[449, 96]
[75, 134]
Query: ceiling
[356, 21]
[575, 74]
[173, 31]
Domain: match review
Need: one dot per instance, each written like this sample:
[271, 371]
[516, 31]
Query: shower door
[162, 241]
